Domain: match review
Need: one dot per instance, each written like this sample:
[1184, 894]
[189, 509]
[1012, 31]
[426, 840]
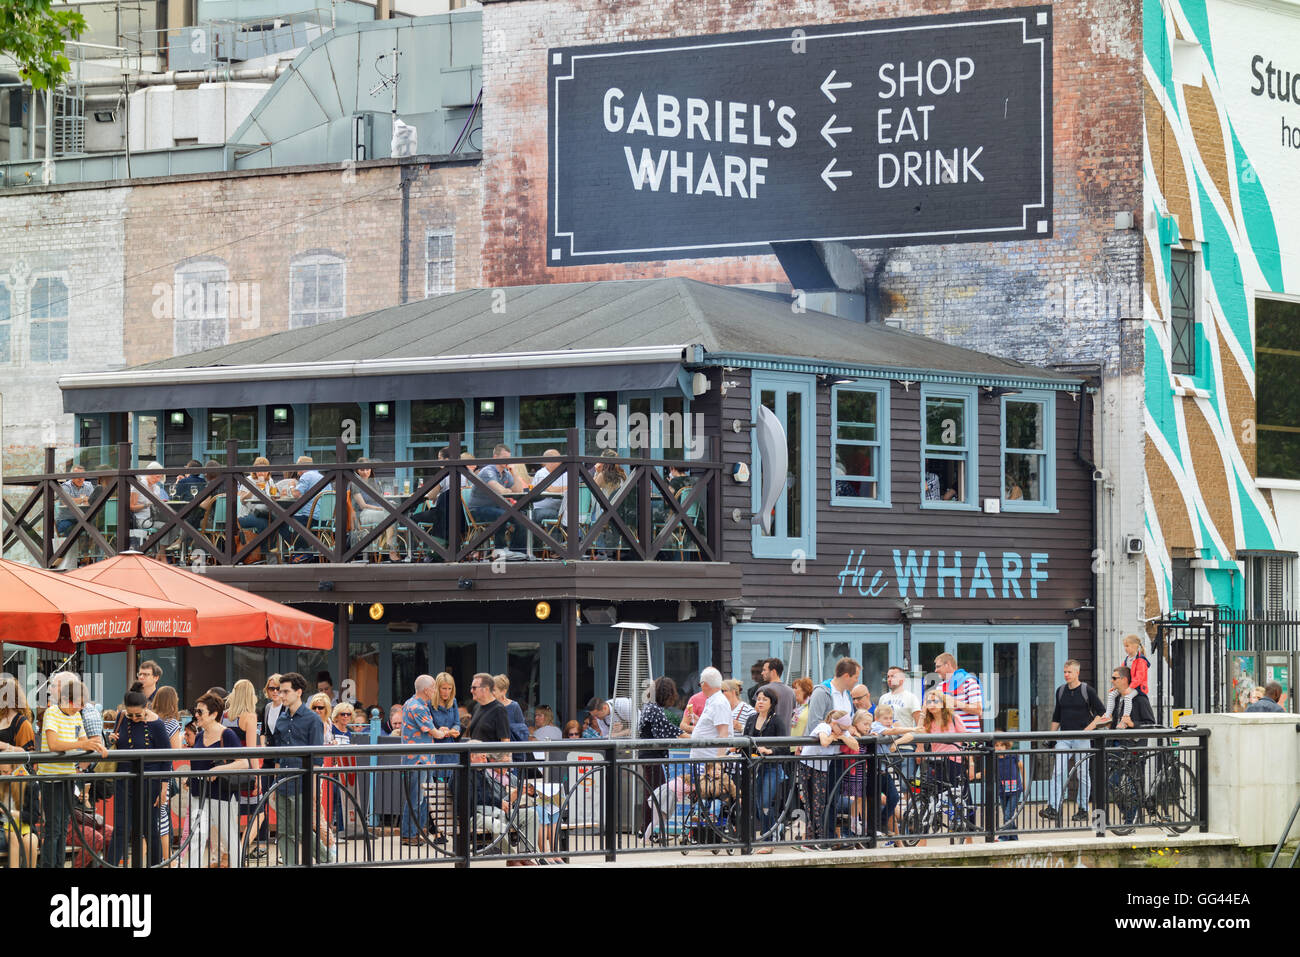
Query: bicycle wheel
[1126, 793]
[1174, 794]
[914, 821]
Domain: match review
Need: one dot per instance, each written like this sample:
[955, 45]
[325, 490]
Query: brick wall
[258, 224]
[1048, 301]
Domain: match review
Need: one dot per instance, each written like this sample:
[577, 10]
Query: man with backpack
[1077, 705]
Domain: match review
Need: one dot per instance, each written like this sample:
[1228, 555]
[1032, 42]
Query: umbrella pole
[131, 665]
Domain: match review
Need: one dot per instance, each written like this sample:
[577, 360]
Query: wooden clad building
[935, 498]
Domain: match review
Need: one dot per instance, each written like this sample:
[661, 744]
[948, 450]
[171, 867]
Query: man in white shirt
[715, 718]
[907, 709]
[548, 508]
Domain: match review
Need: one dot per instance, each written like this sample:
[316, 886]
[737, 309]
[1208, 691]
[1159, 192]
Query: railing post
[464, 811]
[307, 814]
[123, 538]
[611, 802]
[989, 759]
[645, 524]
[139, 808]
[572, 520]
[454, 509]
[231, 485]
[748, 808]
[1203, 784]
[874, 792]
[1100, 785]
[341, 492]
[47, 510]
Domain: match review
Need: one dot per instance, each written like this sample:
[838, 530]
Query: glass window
[790, 399]
[317, 289]
[49, 325]
[1182, 311]
[544, 421]
[328, 422]
[948, 447]
[202, 306]
[859, 450]
[6, 313]
[223, 425]
[1277, 341]
[1027, 453]
[439, 262]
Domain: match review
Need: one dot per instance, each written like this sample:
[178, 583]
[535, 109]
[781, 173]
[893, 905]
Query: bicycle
[935, 804]
[1167, 800]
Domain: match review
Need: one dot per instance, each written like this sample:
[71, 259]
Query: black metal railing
[560, 801]
[1210, 658]
[448, 514]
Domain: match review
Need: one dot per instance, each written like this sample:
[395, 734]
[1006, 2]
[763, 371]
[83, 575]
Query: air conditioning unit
[1134, 545]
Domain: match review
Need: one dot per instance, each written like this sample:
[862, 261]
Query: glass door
[462, 652]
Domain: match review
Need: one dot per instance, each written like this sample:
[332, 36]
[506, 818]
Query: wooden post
[572, 520]
[47, 510]
[341, 492]
[453, 499]
[123, 540]
[344, 651]
[570, 658]
[232, 502]
[644, 523]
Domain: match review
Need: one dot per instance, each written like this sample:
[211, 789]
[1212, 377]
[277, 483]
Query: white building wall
[78, 237]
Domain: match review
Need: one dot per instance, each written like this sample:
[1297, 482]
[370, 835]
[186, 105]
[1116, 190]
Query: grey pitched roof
[725, 320]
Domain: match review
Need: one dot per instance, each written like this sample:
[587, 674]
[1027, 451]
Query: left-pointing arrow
[828, 86]
[828, 130]
[828, 175]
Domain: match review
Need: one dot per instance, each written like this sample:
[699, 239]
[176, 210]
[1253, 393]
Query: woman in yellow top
[62, 730]
[16, 734]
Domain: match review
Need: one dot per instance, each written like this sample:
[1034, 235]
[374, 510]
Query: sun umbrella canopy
[226, 615]
[49, 609]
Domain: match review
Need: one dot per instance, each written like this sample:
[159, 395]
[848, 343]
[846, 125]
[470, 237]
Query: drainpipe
[47, 167]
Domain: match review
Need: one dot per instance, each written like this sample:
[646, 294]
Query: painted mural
[1220, 174]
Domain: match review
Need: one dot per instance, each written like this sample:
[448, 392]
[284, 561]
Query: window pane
[1182, 312]
[1024, 477]
[945, 422]
[1025, 426]
[544, 420]
[794, 437]
[1277, 334]
[856, 415]
[945, 479]
[433, 421]
[326, 424]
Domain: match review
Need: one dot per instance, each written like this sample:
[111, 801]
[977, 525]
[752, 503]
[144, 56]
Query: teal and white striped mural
[1217, 180]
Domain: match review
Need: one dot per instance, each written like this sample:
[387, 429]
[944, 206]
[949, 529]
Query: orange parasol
[226, 615]
[52, 610]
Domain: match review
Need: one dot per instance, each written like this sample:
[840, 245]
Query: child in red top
[1137, 662]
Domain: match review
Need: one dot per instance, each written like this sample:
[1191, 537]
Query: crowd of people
[302, 483]
[216, 816]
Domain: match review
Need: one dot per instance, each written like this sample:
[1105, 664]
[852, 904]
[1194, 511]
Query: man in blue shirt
[297, 727]
[307, 478]
[486, 507]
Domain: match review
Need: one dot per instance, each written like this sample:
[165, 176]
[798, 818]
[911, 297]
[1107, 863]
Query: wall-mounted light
[279, 415]
[381, 410]
[830, 380]
[105, 116]
[543, 610]
[376, 611]
[487, 407]
[177, 419]
[600, 404]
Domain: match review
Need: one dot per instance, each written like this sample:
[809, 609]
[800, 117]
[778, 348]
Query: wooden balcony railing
[645, 518]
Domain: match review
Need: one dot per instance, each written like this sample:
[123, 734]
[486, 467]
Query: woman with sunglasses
[216, 815]
[320, 705]
[140, 730]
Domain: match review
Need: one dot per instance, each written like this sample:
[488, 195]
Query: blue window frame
[860, 445]
[792, 399]
[949, 447]
[1029, 452]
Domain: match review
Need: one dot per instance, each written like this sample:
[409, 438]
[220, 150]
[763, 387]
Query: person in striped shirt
[965, 691]
[62, 730]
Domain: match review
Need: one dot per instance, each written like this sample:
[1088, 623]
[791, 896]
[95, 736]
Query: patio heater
[804, 659]
[632, 675]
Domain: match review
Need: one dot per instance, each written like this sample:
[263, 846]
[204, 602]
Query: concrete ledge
[1137, 850]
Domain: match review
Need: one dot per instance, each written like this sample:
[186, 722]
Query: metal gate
[1210, 657]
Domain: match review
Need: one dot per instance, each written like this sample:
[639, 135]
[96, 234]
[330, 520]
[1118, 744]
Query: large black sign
[890, 132]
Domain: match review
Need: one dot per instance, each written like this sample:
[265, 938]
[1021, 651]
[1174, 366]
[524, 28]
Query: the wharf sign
[883, 133]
